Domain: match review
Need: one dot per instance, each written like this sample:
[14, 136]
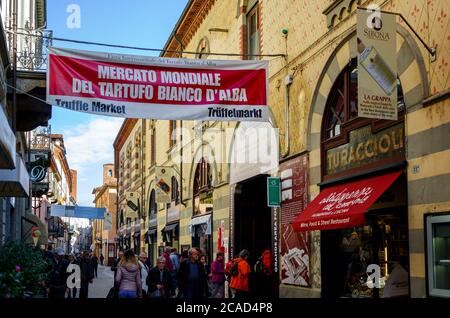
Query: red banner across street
[158, 88]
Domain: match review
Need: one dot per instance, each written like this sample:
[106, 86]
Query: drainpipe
[287, 82]
[181, 129]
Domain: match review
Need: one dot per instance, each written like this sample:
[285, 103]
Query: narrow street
[103, 283]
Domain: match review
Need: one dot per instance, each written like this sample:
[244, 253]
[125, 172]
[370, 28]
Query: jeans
[218, 290]
[127, 294]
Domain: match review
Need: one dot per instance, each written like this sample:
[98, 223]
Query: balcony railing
[41, 138]
[31, 48]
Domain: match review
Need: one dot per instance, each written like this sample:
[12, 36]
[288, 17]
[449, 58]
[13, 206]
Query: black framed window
[253, 32]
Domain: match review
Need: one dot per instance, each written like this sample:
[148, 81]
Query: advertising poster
[107, 225]
[134, 86]
[163, 181]
[377, 65]
[295, 246]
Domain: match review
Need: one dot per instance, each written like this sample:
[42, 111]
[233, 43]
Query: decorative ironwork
[41, 138]
[31, 48]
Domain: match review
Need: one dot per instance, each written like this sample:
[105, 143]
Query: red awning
[344, 205]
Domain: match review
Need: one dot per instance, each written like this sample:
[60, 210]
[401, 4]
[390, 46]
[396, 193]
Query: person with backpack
[239, 280]
[263, 274]
[128, 276]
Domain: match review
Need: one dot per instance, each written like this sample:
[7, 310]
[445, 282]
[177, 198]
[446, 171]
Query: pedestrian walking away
[57, 278]
[102, 258]
[218, 277]
[204, 262]
[128, 276]
[159, 281]
[239, 281]
[94, 259]
[72, 292]
[87, 274]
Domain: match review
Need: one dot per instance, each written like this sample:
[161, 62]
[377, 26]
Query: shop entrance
[382, 240]
[253, 230]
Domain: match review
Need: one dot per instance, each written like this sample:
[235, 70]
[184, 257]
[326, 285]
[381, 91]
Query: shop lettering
[371, 148]
[377, 98]
[376, 35]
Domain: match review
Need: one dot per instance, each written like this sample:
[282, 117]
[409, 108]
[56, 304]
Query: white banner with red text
[134, 86]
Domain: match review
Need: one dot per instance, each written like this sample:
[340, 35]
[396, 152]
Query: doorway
[253, 229]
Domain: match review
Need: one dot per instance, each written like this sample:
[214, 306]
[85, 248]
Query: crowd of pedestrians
[60, 283]
[187, 275]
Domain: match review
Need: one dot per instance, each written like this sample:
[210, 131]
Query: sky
[144, 23]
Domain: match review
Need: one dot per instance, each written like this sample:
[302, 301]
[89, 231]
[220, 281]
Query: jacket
[240, 281]
[58, 275]
[218, 272]
[183, 275]
[87, 270]
[144, 273]
[169, 264]
[129, 278]
[154, 278]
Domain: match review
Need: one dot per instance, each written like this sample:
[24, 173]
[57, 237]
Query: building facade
[322, 144]
[21, 73]
[104, 230]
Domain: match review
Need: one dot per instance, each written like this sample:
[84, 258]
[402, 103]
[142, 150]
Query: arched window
[342, 104]
[175, 191]
[341, 117]
[203, 189]
[152, 206]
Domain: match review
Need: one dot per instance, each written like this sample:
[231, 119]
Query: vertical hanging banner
[377, 64]
[134, 86]
[295, 246]
[163, 178]
[132, 204]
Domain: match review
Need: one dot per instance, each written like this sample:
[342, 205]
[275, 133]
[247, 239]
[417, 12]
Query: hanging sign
[160, 88]
[163, 178]
[132, 204]
[377, 65]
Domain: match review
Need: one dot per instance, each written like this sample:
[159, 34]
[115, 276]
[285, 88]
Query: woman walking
[218, 277]
[128, 276]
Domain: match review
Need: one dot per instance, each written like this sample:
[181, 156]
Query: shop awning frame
[344, 205]
[204, 219]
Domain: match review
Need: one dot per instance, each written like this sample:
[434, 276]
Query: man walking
[57, 283]
[87, 274]
[94, 259]
[192, 279]
[144, 272]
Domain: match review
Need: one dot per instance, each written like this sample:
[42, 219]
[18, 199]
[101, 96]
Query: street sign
[273, 192]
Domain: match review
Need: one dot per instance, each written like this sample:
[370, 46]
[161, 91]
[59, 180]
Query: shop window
[175, 196]
[172, 129]
[253, 32]
[152, 207]
[438, 255]
[203, 190]
[342, 104]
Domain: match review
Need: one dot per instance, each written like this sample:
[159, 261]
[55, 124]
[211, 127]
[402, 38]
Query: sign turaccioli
[134, 86]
